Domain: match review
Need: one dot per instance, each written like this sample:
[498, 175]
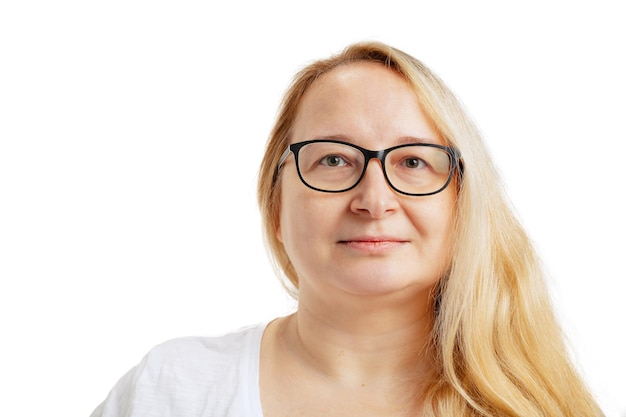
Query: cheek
[298, 234]
[299, 212]
[302, 220]
[445, 218]
[308, 221]
[434, 218]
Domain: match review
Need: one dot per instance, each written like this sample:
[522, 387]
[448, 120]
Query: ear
[279, 234]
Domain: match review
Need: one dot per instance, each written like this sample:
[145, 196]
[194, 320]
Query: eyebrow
[410, 140]
[404, 140]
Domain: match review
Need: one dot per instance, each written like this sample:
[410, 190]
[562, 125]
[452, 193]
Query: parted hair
[498, 347]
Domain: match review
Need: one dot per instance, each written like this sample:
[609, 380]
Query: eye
[413, 162]
[333, 161]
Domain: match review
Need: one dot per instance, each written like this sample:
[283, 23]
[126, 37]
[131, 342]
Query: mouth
[373, 244]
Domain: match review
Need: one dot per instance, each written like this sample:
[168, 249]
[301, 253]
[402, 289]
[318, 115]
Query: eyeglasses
[334, 166]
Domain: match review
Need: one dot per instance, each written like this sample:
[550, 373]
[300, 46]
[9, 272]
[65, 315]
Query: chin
[373, 284]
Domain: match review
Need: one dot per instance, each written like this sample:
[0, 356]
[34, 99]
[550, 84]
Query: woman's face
[369, 240]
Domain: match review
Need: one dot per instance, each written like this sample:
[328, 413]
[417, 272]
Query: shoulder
[191, 349]
[187, 375]
[204, 359]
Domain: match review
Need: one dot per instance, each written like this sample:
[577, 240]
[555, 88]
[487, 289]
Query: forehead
[358, 78]
[358, 101]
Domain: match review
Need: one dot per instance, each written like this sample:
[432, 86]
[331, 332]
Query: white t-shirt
[193, 376]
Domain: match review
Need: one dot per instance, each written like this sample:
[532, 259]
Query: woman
[418, 292]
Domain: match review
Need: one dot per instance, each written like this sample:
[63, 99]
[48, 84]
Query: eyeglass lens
[411, 169]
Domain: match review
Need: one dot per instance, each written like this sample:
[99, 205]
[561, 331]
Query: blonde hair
[498, 347]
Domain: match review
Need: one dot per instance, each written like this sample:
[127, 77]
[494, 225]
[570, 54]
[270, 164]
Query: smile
[373, 244]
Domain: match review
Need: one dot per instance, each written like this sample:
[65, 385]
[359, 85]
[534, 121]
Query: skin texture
[326, 235]
[367, 261]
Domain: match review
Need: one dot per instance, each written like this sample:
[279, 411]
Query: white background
[131, 134]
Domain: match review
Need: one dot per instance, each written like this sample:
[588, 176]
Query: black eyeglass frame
[453, 154]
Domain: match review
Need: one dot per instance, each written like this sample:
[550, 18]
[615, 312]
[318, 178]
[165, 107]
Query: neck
[363, 338]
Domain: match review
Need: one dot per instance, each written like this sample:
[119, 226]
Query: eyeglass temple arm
[459, 162]
[284, 156]
[281, 161]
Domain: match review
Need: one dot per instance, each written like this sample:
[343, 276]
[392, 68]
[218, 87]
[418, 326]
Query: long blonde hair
[498, 347]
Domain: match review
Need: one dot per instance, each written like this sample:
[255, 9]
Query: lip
[373, 244]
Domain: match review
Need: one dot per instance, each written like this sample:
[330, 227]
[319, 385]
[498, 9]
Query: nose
[373, 195]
